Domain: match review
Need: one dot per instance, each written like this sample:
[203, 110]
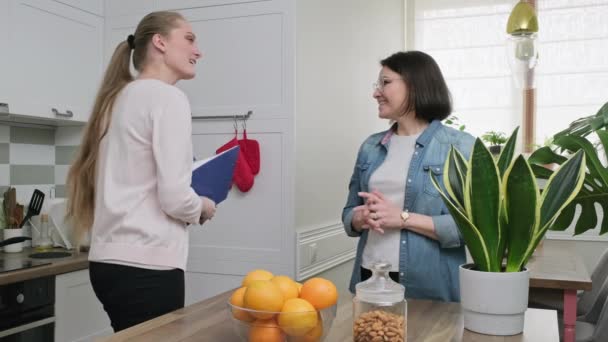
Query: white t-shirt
[389, 178]
[143, 198]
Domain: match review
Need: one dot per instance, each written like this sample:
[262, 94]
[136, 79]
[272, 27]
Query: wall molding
[320, 249]
[582, 237]
[310, 271]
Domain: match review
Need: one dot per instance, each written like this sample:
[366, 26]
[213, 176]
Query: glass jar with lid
[379, 308]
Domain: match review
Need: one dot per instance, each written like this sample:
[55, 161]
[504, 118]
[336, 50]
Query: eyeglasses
[381, 83]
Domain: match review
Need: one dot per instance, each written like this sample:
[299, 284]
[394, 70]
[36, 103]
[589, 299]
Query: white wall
[339, 46]
[589, 251]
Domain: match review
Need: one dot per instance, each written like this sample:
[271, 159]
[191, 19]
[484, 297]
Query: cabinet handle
[4, 108]
[67, 114]
[27, 326]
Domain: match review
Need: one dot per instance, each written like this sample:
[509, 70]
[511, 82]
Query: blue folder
[212, 177]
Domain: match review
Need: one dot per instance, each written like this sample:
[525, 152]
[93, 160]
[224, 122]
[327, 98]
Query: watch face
[405, 216]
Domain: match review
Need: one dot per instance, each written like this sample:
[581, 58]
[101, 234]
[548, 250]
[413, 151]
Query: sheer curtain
[467, 38]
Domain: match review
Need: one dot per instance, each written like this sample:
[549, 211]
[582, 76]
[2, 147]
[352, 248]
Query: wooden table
[556, 265]
[427, 321]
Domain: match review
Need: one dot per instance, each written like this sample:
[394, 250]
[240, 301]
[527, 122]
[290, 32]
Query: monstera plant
[497, 204]
[572, 140]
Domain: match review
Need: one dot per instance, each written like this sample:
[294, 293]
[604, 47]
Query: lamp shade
[522, 44]
[522, 20]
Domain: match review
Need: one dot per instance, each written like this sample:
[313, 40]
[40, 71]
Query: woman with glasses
[392, 206]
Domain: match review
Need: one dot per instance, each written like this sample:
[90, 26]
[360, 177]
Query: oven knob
[20, 298]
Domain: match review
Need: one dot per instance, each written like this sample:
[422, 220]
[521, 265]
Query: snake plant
[497, 204]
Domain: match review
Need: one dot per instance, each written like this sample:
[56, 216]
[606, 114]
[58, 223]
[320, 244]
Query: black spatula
[13, 240]
[35, 206]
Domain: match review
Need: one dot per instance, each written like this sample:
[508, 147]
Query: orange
[312, 336]
[265, 331]
[321, 293]
[237, 300]
[256, 275]
[263, 295]
[288, 287]
[299, 288]
[297, 317]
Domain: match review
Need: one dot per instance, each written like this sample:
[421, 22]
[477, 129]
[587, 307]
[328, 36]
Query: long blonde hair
[82, 174]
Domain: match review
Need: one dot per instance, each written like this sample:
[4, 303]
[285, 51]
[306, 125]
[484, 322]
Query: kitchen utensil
[13, 240]
[57, 210]
[251, 150]
[10, 202]
[34, 207]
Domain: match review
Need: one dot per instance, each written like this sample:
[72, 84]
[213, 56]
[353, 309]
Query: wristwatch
[404, 216]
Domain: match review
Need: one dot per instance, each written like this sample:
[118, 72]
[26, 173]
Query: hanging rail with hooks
[224, 117]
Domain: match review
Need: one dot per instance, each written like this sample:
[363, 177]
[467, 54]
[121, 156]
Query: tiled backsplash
[36, 158]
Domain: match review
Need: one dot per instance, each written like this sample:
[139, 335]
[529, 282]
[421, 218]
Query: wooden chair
[593, 326]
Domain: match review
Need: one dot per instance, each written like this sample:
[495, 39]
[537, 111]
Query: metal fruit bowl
[254, 325]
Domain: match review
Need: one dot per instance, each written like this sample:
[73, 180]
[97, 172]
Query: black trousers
[131, 295]
[366, 274]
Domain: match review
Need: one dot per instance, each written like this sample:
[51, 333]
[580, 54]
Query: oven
[27, 310]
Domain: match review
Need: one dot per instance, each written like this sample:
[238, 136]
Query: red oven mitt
[243, 178]
[251, 149]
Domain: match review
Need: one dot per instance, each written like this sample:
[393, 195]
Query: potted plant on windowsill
[454, 122]
[495, 140]
[501, 214]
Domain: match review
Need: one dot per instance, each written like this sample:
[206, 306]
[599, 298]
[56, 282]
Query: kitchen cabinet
[79, 316]
[54, 52]
[247, 59]
[4, 66]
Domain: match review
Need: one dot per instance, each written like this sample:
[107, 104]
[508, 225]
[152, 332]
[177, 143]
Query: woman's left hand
[384, 214]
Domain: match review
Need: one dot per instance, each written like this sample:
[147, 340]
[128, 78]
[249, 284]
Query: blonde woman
[129, 187]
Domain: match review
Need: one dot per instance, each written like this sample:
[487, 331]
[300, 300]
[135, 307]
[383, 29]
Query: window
[467, 38]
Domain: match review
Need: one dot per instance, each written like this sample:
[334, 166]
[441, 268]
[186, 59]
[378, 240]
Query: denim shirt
[427, 268]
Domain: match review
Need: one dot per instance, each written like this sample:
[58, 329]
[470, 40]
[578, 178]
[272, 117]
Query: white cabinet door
[55, 51]
[4, 62]
[249, 230]
[92, 6]
[247, 60]
[117, 8]
[79, 316]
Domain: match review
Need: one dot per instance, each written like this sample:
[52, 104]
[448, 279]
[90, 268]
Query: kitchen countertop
[75, 262]
[428, 321]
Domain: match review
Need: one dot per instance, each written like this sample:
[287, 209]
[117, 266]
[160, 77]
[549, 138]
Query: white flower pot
[15, 247]
[494, 303]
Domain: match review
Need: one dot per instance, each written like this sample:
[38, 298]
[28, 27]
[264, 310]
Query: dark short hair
[428, 95]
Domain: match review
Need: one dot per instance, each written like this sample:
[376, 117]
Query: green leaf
[506, 155]
[521, 193]
[545, 155]
[587, 125]
[482, 200]
[454, 176]
[562, 188]
[594, 191]
[471, 235]
[541, 172]
[574, 144]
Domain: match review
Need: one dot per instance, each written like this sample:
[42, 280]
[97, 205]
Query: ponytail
[82, 174]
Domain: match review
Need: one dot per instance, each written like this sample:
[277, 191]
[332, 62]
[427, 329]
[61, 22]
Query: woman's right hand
[361, 217]
[208, 209]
